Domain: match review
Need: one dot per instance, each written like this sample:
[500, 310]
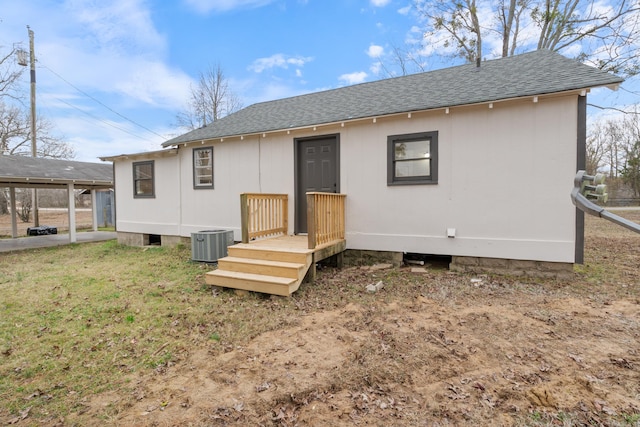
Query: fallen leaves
[456, 393]
[621, 362]
[429, 349]
[229, 414]
[23, 415]
[542, 397]
[263, 387]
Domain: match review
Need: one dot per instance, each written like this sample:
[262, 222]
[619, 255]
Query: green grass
[83, 319]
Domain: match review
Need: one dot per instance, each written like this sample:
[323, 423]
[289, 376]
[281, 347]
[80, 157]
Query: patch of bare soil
[435, 348]
[416, 363]
[52, 217]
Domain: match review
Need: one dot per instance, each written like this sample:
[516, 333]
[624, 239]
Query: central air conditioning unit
[210, 245]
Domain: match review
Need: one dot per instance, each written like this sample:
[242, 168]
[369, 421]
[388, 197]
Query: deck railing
[325, 218]
[263, 215]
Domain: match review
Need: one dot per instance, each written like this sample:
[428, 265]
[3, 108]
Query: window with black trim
[143, 178]
[412, 158]
[203, 167]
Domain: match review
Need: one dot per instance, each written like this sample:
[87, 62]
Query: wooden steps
[289, 270]
[274, 269]
[252, 282]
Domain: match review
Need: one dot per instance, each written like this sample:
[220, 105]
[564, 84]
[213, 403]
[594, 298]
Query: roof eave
[143, 155]
[30, 182]
[580, 91]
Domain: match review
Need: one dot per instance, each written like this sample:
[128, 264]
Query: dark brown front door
[317, 169]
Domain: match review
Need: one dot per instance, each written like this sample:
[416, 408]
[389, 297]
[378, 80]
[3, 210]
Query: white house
[475, 162]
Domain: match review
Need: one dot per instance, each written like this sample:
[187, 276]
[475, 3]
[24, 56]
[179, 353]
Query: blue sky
[112, 75]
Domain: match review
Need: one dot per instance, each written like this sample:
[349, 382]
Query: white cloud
[404, 10]
[121, 25]
[375, 51]
[155, 84]
[206, 6]
[92, 139]
[278, 60]
[353, 78]
[376, 68]
[379, 3]
[111, 50]
[114, 48]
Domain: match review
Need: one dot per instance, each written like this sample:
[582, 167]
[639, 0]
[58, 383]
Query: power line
[635, 113]
[101, 103]
[629, 91]
[100, 120]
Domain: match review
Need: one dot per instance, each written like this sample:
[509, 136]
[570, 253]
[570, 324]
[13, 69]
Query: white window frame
[202, 174]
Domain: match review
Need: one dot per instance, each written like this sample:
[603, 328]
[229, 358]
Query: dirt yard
[431, 349]
[53, 217]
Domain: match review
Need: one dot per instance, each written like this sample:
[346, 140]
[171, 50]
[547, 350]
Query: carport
[34, 172]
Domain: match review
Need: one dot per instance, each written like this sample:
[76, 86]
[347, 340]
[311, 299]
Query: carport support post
[94, 209]
[72, 213]
[14, 221]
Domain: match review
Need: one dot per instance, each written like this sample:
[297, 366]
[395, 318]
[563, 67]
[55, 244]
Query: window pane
[203, 167]
[412, 158]
[144, 187]
[200, 162]
[412, 150]
[203, 157]
[411, 168]
[204, 180]
[203, 170]
[143, 179]
[144, 171]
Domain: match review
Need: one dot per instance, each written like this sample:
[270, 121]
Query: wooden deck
[269, 260]
[276, 265]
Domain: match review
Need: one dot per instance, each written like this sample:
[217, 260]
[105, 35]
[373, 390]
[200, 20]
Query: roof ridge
[532, 73]
[404, 76]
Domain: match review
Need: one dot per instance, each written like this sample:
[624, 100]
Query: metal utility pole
[32, 58]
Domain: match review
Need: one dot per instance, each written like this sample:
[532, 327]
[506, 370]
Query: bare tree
[15, 122]
[15, 139]
[607, 34]
[10, 74]
[15, 135]
[607, 146]
[13, 125]
[630, 171]
[597, 144]
[210, 100]
[613, 146]
[405, 61]
[15, 118]
[453, 25]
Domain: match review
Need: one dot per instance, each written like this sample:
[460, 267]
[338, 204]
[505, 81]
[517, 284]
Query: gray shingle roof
[534, 73]
[20, 170]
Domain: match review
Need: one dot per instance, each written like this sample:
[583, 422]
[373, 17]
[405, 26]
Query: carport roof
[21, 171]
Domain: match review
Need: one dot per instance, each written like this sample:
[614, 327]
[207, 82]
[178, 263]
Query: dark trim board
[581, 164]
